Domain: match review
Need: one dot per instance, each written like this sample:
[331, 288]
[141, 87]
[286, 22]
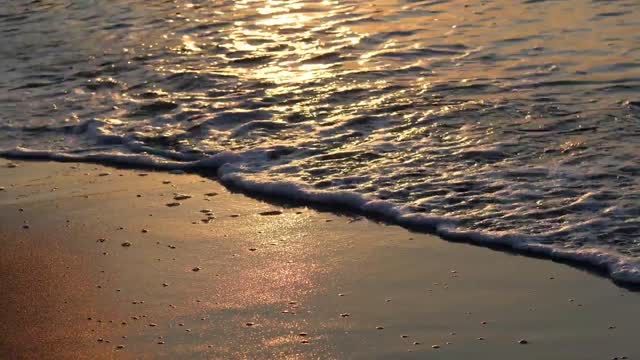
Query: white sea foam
[228, 166]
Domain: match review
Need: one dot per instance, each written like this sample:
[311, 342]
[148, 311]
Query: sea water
[511, 123]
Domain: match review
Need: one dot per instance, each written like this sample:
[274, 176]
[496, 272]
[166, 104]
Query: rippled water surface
[509, 122]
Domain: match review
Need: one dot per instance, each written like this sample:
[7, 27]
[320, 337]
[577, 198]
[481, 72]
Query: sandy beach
[106, 263]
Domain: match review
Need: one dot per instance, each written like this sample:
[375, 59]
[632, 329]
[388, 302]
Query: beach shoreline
[99, 257]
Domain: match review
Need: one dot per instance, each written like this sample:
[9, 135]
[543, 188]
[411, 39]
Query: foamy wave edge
[621, 269]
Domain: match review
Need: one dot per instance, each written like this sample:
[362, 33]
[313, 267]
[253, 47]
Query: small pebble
[182, 197]
[379, 328]
[435, 346]
[173, 204]
[271, 213]
[197, 268]
[523, 342]
[126, 244]
[119, 347]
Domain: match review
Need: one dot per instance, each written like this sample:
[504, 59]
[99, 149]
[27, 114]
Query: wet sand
[99, 262]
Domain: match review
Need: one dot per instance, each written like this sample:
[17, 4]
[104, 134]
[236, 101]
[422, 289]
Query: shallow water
[505, 122]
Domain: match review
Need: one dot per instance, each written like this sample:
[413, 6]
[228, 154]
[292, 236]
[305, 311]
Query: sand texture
[101, 263]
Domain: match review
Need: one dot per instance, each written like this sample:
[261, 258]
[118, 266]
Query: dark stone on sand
[182, 197]
[173, 204]
[523, 342]
[345, 315]
[379, 328]
[120, 347]
[211, 194]
[271, 213]
[126, 244]
[196, 269]
[249, 324]
[303, 334]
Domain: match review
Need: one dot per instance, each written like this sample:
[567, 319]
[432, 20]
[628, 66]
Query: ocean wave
[228, 165]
